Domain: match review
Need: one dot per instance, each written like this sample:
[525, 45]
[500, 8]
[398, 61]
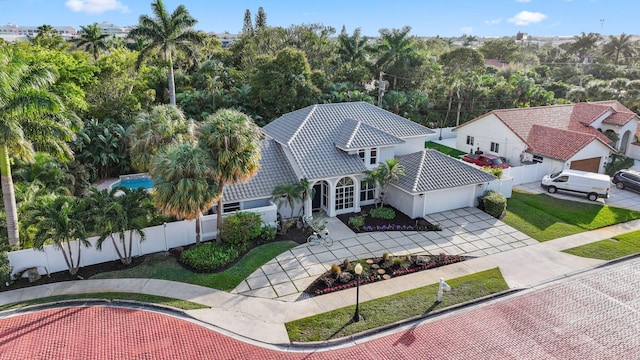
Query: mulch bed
[376, 269]
[395, 224]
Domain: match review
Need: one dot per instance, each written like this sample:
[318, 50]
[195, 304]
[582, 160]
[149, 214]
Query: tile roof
[311, 135]
[355, 134]
[544, 140]
[432, 170]
[274, 170]
[559, 123]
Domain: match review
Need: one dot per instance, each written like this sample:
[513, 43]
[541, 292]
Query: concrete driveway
[626, 199]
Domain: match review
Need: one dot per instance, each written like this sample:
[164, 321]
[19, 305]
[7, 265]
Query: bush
[211, 256]
[241, 227]
[5, 268]
[356, 221]
[494, 203]
[618, 162]
[383, 213]
[268, 233]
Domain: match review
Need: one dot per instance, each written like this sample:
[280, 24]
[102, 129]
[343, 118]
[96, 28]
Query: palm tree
[117, 211]
[384, 174]
[31, 118]
[393, 46]
[91, 39]
[183, 186]
[164, 125]
[619, 46]
[59, 221]
[289, 194]
[584, 44]
[232, 143]
[169, 33]
[352, 49]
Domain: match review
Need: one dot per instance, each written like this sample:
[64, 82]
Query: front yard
[544, 218]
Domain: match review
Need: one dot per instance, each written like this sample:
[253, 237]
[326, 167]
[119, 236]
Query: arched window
[344, 193]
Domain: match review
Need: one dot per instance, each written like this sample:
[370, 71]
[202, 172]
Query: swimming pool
[142, 182]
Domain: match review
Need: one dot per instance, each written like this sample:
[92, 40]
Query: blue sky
[426, 17]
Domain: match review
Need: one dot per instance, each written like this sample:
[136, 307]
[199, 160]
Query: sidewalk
[262, 320]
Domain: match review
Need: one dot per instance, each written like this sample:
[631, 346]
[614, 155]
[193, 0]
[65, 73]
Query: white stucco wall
[412, 144]
[404, 202]
[487, 130]
[594, 149]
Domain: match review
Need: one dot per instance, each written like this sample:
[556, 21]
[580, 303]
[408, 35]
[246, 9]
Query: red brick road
[592, 316]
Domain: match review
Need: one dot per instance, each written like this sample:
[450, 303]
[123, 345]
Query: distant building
[13, 32]
[225, 38]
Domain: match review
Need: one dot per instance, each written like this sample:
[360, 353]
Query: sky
[447, 18]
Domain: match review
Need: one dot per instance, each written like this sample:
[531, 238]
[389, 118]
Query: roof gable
[355, 134]
[430, 169]
[556, 143]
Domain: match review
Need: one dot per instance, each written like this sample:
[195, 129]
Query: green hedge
[241, 227]
[383, 213]
[495, 204]
[211, 256]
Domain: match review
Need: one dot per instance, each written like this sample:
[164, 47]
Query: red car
[489, 160]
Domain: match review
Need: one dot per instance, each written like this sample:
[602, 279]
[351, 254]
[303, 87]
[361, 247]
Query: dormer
[356, 137]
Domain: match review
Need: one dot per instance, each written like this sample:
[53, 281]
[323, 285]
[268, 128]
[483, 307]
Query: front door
[315, 202]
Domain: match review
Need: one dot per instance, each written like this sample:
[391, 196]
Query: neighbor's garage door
[449, 199]
[592, 165]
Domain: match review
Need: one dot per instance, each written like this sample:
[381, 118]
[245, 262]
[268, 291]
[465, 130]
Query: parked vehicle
[593, 185]
[489, 160]
[627, 179]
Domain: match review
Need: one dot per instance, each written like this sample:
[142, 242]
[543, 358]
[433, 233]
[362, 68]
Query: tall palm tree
[183, 186]
[352, 49]
[59, 221]
[31, 118]
[117, 212]
[617, 46]
[91, 39]
[584, 44]
[168, 33]
[289, 194]
[150, 132]
[393, 46]
[232, 143]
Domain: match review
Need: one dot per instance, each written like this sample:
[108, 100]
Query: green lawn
[165, 267]
[161, 300]
[390, 309]
[444, 149]
[543, 217]
[610, 249]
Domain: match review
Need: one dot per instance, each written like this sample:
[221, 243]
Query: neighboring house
[565, 136]
[333, 145]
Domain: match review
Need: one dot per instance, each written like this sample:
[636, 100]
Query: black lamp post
[358, 270]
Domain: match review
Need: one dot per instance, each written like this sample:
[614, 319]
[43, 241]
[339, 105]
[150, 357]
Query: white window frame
[470, 140]
[495, 147]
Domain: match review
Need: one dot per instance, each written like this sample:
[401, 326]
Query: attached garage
[447, 199]
[591, 165]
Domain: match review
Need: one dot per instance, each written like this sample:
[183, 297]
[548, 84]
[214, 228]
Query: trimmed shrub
[210, 257]
[5, 268]
[356, 221]
[494, 203]
[383, 213]
[268, 233]
[242, 227]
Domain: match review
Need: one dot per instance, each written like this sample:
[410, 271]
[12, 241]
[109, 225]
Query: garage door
[592, 165]
[449, 199]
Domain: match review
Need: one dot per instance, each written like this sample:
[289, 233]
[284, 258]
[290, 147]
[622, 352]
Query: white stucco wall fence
[158, 238]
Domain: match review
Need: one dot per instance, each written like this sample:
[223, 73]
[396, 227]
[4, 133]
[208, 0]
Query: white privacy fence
[527, 173]
[158, 238]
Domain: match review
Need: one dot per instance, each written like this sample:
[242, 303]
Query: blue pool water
[144, 182]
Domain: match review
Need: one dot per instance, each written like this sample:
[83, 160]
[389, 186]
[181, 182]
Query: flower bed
[364, 222]
[342, 277]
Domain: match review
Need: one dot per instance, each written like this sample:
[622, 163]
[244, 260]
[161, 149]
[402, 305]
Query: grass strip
[444, 149]
[544, 218]
[153, 299]
[393, 308]
[609, 249]
[165, 267]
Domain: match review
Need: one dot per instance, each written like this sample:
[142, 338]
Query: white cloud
[95, 6]
[527, 18]
[466, 30]
[493, 21]
[523, 1]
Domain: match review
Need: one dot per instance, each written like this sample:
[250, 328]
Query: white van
[593, 185]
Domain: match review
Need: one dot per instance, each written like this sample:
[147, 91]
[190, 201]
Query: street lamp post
[358, 270]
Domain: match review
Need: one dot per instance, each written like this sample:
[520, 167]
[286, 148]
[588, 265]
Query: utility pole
[381, 89]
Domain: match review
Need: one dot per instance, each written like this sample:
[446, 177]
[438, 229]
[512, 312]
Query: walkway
[468, 232]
